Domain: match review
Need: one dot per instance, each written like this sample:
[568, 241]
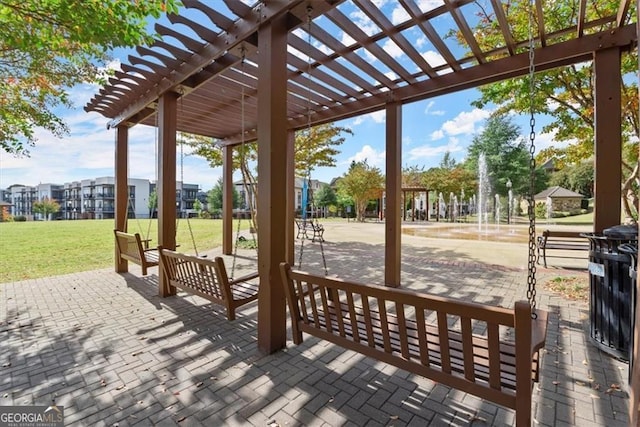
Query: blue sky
[430, 128]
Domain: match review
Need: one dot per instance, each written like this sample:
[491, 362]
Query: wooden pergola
[279, 65]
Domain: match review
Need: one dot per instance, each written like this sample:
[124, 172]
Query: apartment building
[93, 198]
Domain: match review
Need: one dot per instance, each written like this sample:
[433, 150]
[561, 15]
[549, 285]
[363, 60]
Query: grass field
[46, 248]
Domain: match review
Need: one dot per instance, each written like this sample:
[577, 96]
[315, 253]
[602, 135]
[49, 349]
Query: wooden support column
[634, 365]
[290, 237]
[608, 139]
[121, 189]
[227, 200]
[168, 117]
[393, 222]
[272, 182]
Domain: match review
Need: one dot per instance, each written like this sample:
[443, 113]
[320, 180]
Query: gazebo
[275, 67]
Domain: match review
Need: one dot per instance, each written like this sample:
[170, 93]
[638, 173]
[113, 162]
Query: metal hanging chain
[531, 276]
[235, 249]
[193, 239]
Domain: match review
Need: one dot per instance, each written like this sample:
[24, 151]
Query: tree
[325, 196]
[506, 156]
[49, 46]
[46, 207]
[153, 203]
[214, 197]
[566, 94]
[362, 183]
[197, 206]
[578, 178]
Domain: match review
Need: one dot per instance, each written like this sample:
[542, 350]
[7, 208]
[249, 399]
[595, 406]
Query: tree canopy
[362, 183]
[506, 155]
[48, 46]
[46, 207]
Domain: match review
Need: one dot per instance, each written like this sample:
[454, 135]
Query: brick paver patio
[112, 352]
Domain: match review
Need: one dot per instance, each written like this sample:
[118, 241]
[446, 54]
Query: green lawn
[45, 248]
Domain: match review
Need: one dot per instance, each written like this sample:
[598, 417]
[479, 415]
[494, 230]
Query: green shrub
[541, 210]
[19, 218]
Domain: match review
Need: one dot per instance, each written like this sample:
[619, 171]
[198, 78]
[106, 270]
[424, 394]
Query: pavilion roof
[339, 68]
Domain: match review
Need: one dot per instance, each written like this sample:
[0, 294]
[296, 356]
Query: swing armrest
[244, 278]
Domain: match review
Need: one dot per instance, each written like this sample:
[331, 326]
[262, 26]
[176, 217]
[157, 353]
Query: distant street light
[509, 197]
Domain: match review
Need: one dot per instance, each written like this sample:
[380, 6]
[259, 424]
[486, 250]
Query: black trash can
[612, 292]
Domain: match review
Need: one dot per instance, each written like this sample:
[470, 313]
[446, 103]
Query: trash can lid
[622, 231]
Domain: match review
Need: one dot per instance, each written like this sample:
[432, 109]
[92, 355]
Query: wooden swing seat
[132, 247]
[390, 325]
[208, 279]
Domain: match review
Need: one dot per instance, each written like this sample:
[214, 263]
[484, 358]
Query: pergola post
[168, 117]
[121, 190]
[608, 139]
[393, 189]
[227, 200]
[272, 182]
[634, 366]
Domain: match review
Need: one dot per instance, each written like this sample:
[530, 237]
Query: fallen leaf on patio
[133, 416]
[181, 419]
[394, 417]
[596, 386]
[142, 338]
[200, 384]
[556, 382]
[480, 419]
[584, 362]
[120, 387]
[135, 353]
[176, 393]
[6, 365]
[213, 378]
[6, 395]
[615, 386]
[331, 399]
[580, 383]
[272, 424]
[103, 382]
[141, 402]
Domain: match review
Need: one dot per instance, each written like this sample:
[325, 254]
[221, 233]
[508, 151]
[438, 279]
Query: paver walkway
[112, 352]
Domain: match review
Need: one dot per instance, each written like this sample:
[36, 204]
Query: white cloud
[370, 154]
[346, 39]
[392, 49]
[547, 140]
[465, 122]
[431, 112]
[363, 22]
[377, 117]
[427, 151]
[399, 15]
[436, 135]
[427, 5]
[433, 58]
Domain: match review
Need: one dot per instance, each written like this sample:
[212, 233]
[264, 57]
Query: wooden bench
[305, 226]
[560, 240]
[492, 352]
[135, 249]
[208, 279]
